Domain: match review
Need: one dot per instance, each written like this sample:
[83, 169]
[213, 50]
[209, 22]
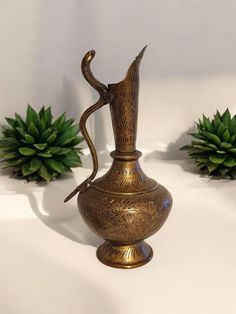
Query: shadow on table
[173, 151]
[174, 155]
[61, 217]
[64, 218]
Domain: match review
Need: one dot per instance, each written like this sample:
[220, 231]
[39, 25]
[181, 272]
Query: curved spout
[135, 64]
[124, 107]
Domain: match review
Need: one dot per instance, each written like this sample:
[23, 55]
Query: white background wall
[189, 66]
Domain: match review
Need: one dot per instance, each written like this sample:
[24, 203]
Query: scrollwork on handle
[105, 98]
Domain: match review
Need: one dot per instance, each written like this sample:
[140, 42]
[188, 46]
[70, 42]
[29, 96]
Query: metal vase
[124, 206]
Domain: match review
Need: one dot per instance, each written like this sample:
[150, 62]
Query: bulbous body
[123, 215]
[124, 206]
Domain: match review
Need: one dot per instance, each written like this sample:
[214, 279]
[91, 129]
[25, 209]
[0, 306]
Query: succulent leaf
[21, 131]
[38, 148]
[29, 139]
[44, 173]
[11, 122]
[226, 117]
[51, 138]
[31, 116]
[66, 124]
[221, 129]
[41, 146]
[211, 167]
[213, 138]
[225, 145]
[45, 154]
[215, 159]
[9, 155]
[42, 126]
[230, 162]
[68, 135]
[58, 123]
[207, 124]
[15, 162]
[25, 170]
[216, 122]
[215, 149]
[9, 132]
[35, 164]
[55, 165]
[10, 140]
[46, 133]
[47, 117]
[76, 140]
[226, 135]
[20, 122]
[33, 131]
[232, 150]
[41, 112]
[224, 171]
[26, 151]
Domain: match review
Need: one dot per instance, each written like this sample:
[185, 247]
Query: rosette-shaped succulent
[214, 149]
[39, 149]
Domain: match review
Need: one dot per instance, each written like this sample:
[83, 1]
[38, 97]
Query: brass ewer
[124, 206]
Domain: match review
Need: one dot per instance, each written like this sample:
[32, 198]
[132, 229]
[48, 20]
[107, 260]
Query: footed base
[124, 256]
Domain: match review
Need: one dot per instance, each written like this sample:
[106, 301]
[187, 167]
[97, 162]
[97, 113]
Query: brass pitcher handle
[105, 98]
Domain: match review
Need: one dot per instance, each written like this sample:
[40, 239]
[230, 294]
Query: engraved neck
[124, 108]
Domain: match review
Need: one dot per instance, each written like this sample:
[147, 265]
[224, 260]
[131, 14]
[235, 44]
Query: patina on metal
[124, 206]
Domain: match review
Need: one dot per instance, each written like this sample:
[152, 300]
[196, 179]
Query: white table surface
[48, 263]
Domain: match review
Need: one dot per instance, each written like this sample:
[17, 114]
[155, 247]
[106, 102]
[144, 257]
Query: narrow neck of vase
[124, 108]
[124, 115]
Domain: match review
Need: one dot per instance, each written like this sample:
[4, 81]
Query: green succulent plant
[39, 149]
[214, 149]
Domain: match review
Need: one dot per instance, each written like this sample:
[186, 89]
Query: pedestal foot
[124, 256]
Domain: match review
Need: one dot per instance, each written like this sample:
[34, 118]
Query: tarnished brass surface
[124, 206]
[124, 256]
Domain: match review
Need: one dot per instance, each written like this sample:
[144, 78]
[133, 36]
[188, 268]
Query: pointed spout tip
[143, 50]
[140, 55]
